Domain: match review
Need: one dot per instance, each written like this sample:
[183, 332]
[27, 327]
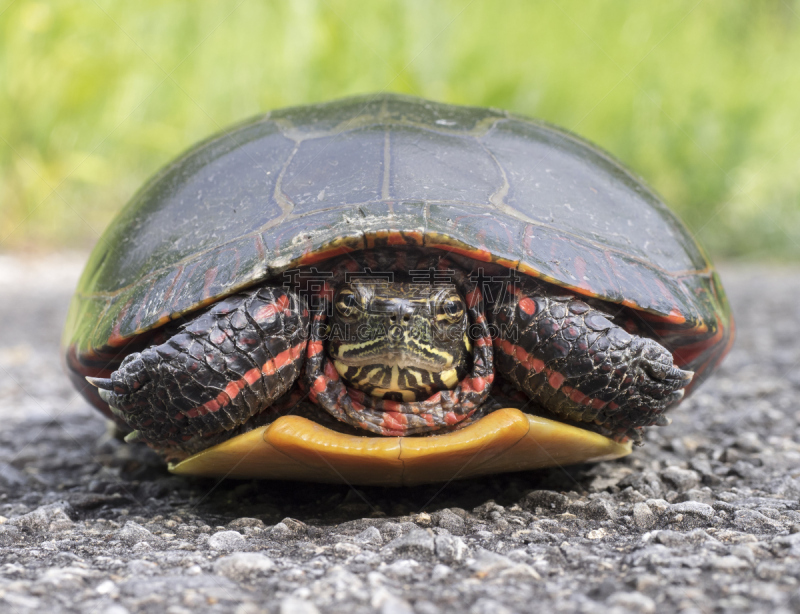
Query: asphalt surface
[704, 518]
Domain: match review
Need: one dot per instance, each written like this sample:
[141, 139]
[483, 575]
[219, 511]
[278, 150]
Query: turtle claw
[102, 383]
[676, 373]
[663, 420]
[134, 437]
[107, 386]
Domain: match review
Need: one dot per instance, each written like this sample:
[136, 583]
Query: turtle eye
[346, 303]
[449, 311]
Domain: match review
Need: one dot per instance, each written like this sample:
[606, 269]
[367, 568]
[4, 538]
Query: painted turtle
[298, 296]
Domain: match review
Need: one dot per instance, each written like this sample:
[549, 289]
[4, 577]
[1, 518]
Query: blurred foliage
[700, 98]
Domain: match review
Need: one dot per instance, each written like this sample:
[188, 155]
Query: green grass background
[701, 98]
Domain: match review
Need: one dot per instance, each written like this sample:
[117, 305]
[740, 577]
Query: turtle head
[399, 341]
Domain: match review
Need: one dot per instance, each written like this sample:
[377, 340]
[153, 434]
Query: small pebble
[226, 541]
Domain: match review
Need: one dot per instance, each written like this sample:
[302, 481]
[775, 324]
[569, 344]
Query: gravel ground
[704, 518]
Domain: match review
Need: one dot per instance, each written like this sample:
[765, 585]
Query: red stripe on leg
[394, 421]
[577, 396]
[528, 306]
[320, 384]
[451, 418]
[331, 371]
[555, 379]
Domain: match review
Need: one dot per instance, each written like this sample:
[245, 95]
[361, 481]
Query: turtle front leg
[571, 359]
[220, 369]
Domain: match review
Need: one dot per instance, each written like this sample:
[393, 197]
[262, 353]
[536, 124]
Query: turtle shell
[303, 184]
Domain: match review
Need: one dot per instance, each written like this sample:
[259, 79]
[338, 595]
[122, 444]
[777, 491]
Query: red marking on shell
[116, 338]
[528, 306]
[688, 353]
[137, 320]
[312, 257]
[170, 289]
[475, 254]
[598, 404]
[666, 293]
[395, 238]
[416, 237]
[580, 272]
[261, 248]
[208, 279]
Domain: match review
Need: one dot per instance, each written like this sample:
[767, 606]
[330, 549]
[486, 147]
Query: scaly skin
[571, 359]
[222, 370]
[219, 370]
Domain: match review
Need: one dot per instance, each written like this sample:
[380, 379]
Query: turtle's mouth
[398, 341]
[397, 381]
[406, 355]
